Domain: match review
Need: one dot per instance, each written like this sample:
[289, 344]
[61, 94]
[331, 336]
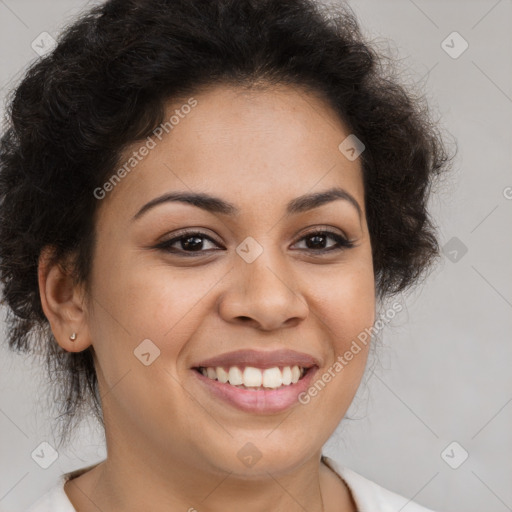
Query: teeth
[296, 372]
[287, 375]
[251, 377]
[272, 378]
[222, 375]
[235, 376]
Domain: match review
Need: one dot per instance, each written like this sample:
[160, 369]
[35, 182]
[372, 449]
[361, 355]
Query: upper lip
[260, 359]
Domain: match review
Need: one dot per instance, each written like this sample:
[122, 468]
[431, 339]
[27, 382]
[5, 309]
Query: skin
[169, 441]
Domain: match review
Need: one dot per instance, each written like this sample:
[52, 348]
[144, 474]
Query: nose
[263, 294]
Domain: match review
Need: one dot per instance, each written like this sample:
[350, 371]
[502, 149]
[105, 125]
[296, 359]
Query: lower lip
[260, 401]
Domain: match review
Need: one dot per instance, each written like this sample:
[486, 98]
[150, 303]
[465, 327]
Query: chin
[252, 457]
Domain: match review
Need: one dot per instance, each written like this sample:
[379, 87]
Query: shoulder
[369, 496]
[55, 500]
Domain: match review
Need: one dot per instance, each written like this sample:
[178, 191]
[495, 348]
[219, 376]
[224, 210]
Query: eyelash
[342, 242]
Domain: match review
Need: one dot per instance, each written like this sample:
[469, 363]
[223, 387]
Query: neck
[130, 479]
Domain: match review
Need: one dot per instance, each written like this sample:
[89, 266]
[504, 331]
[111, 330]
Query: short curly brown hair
[105, 86]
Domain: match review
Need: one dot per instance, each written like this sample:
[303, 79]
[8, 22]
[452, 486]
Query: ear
[63, 303]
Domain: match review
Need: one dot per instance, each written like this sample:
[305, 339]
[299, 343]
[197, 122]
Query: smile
[255, 379]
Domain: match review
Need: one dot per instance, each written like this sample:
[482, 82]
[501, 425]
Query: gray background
[443, 369]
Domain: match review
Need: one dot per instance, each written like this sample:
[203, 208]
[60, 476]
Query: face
[254, 283]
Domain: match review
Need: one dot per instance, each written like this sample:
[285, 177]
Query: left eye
[193, 242]
[319, 237]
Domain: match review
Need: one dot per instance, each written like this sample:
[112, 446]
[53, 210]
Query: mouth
[256, 381]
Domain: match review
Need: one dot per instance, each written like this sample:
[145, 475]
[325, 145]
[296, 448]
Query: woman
[204, 206]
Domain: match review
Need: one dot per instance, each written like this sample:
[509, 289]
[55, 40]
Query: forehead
[284, 120]
[245, 145]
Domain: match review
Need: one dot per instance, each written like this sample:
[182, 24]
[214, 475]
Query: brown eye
[317, 240]
[191, 242]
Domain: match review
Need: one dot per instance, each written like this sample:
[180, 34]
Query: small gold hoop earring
[73, 337]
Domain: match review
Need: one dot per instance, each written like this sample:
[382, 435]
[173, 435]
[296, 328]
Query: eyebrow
[217, 205]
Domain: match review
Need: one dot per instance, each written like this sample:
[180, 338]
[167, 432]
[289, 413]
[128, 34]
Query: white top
[368, 496]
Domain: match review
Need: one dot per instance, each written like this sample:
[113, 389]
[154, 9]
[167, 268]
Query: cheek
[144, 296]
[345, 301]
[346, 307]
[145, 302]
[148, 301]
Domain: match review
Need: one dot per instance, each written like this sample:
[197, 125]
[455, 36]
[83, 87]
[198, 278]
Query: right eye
[191, 242]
